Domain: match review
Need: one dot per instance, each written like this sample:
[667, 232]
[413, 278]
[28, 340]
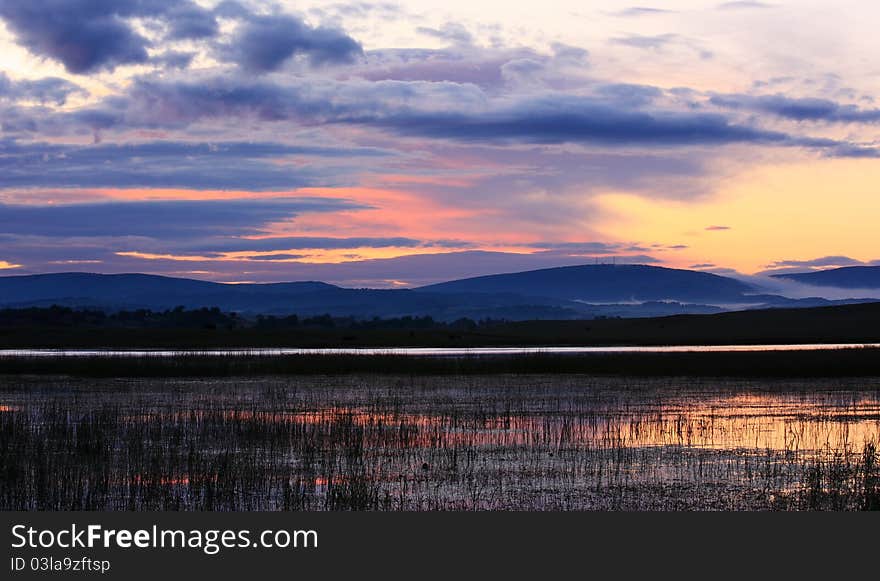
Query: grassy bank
[863, 362]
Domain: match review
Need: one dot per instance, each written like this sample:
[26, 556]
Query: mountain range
[572, 292]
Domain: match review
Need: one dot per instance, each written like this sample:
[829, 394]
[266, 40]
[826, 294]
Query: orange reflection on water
[800, 422]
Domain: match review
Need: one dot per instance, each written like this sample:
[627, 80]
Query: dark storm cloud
[265, 43]
[49, 90]
[799, 109]
[223, 165]
[165, 219]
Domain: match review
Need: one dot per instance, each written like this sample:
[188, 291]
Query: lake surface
[426, 351]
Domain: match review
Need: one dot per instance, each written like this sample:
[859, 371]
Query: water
[427, 351]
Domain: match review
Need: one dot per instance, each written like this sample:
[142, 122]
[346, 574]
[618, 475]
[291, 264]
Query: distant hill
[578, 292]
[606, 283]
[860, 277]
[142, 291]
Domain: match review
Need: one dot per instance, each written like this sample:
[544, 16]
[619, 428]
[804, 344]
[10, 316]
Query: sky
[395, 144]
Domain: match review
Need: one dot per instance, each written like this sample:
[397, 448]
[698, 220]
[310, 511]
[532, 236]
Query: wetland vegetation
[441, 442]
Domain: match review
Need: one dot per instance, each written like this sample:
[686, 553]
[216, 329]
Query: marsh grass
[396, 442]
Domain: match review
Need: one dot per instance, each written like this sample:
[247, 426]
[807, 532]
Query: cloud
[744, 5]
[271, 257]
[438, 110]
[264, 43]
[573, 248]
[717, 228]
[635, 11]
[646, 42]
[576, 120]
[175, 219]
[798, 109]
[85, 36]
[488, 68]
[48, 90]
[173, 59]
[453, 32]
[188, 21]
[166, 164]
[301, 243]
[630, 94]
[816, 263]
[661, 42]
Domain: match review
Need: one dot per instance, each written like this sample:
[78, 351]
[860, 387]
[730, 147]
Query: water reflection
[808, 423]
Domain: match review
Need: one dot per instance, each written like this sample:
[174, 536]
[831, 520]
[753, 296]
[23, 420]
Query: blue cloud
[400, 107]
[48, 90]
[798, 109]
[91, 35]
[164, 219]
[265, 43]
[187, 20]
[583, 122]
[223, 165]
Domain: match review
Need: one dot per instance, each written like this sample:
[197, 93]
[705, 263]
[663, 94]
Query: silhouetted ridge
[606, 283]
[846, 277]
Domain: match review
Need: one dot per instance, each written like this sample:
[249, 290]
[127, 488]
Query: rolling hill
[576, 292]
[142, 291]
[849, 277]
[606, 283]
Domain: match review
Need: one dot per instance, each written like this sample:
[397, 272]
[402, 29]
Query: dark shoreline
[858, 323]
[853, 362]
